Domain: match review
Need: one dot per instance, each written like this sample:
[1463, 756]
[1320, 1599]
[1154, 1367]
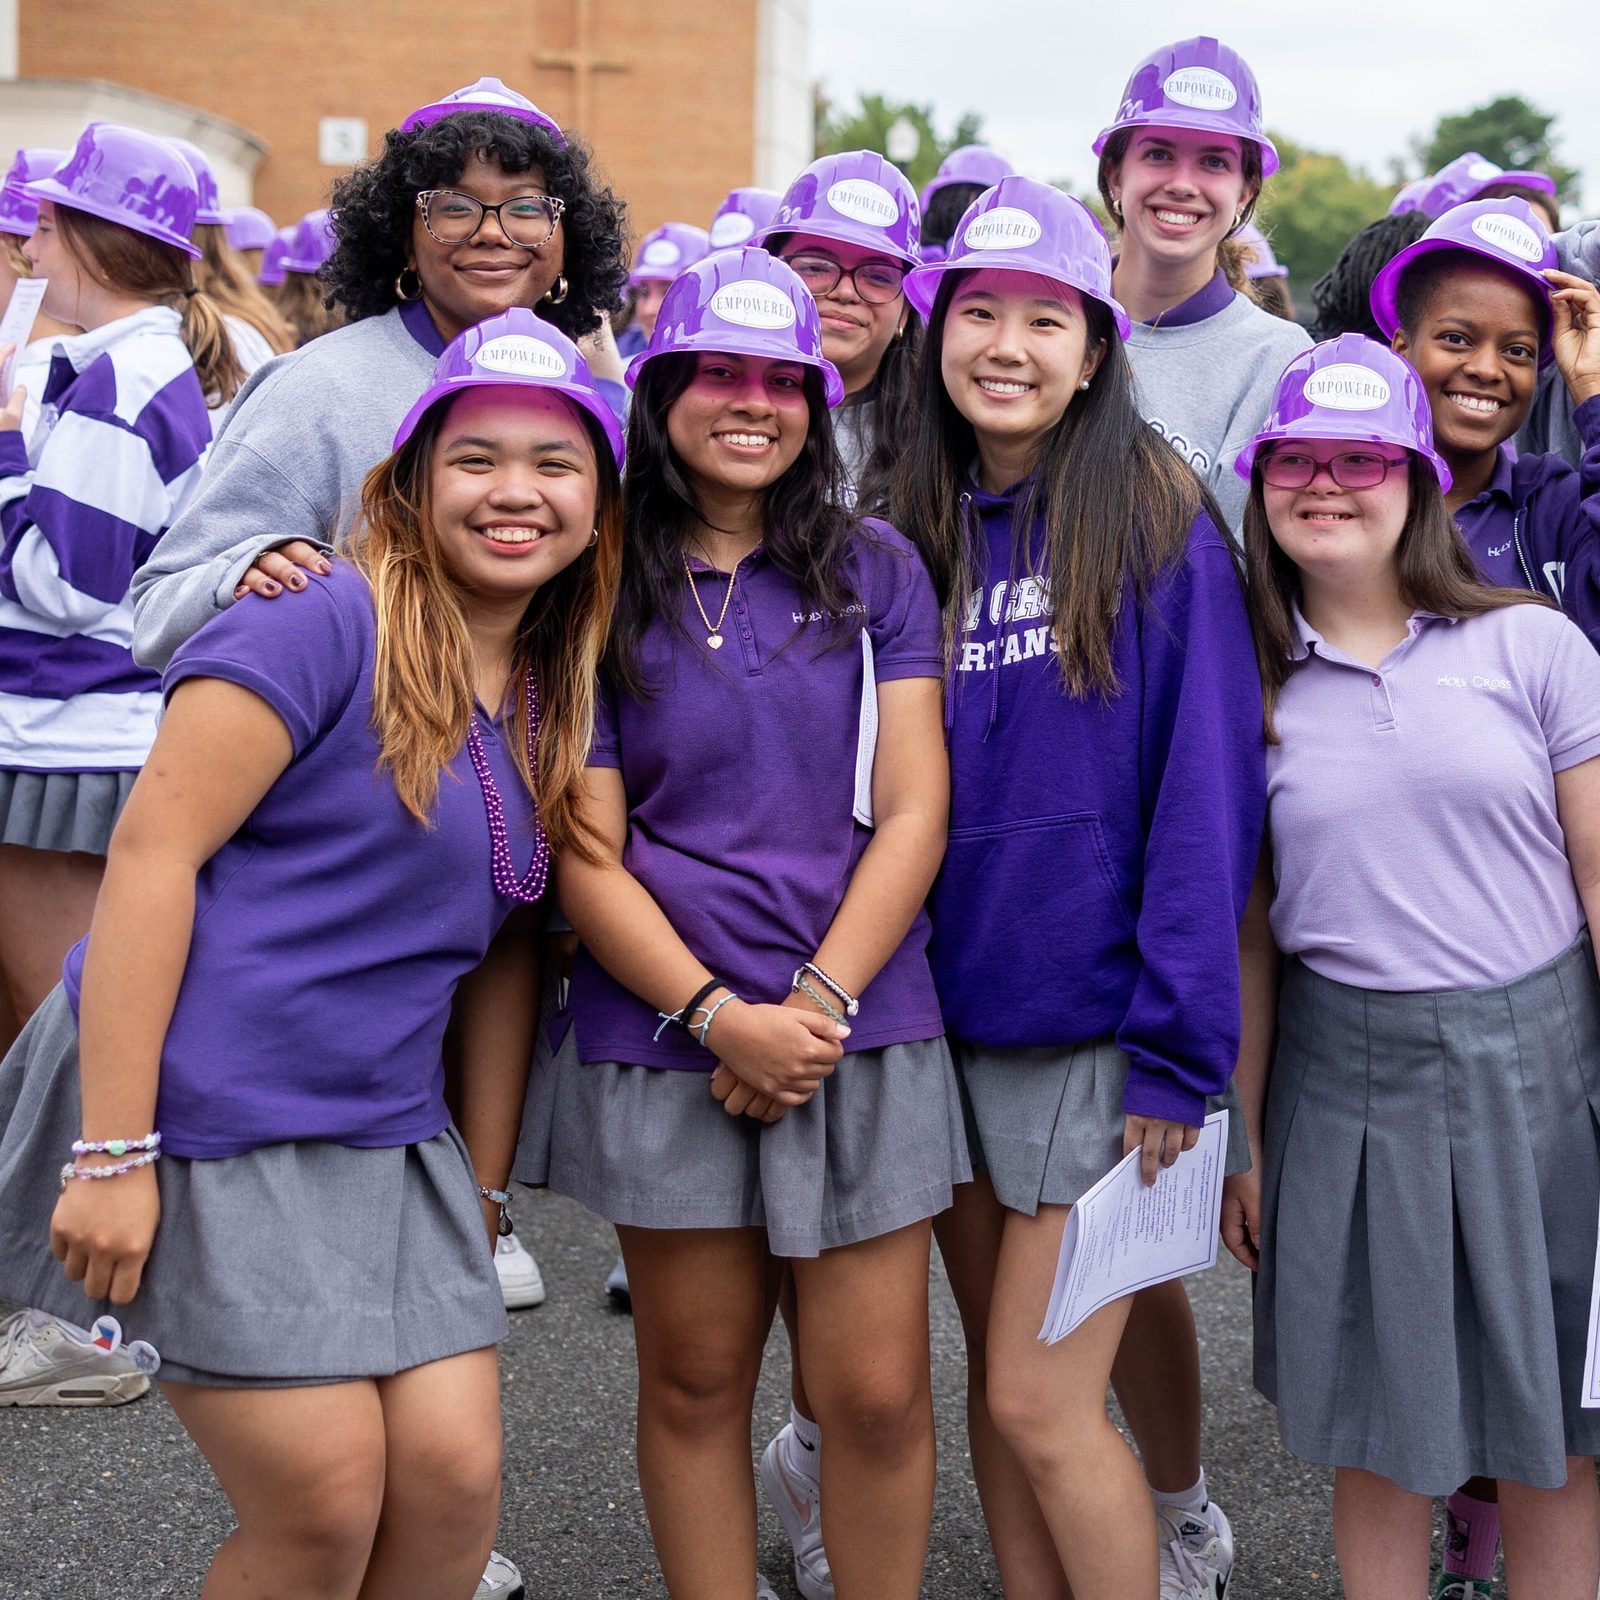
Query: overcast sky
[1362, 77]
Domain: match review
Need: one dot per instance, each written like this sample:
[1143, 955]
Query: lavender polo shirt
[330, 931]
[1412, 807]
[741, 776]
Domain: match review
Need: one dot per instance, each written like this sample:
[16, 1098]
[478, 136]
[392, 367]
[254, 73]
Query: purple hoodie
[1101, 851]
[1537, 525]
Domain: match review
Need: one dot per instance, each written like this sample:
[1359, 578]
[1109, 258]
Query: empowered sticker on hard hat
[751, 304]
[1347, 387]
[864, 201]
[1004, 228]
[733, 227]
[516, 352]
[1202, 88]
[1508, 234]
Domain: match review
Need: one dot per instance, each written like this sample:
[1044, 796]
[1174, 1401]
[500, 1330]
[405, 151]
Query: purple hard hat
[310, 243]
[1507, 232]
[1467, 177]
[665, 251]
[515, 350]
[856, 198]
[741, 302]
[271, 272]
[1410, 197]
[487, 94]
[972, 163]
[129, 177]
[250, 228]
[1199, 84]
[1022, 225]
[209, 210]
[19, 211]
[742, 215]
[1351, 388]
[1262, 262]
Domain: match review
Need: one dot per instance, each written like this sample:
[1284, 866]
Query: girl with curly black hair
[479, 202]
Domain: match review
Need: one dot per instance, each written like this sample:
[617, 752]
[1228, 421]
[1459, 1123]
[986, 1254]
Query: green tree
[1508, 131]
[1312, 206]
[867, 125]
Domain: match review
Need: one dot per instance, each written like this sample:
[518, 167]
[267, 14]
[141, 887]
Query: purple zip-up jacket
[1101, 851]
[1537, 525]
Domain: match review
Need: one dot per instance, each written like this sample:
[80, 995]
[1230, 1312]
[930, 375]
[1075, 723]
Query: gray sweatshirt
[1205, 387]
[303, 432]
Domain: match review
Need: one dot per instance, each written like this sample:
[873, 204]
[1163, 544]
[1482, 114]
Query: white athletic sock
[1191, 1500]
[805, 1446]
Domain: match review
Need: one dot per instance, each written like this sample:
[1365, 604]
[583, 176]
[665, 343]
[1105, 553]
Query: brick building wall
[666, 102]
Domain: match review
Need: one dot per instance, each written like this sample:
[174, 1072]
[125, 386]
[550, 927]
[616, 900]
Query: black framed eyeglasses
[528, 220]
[876, 282]
[1353, 469]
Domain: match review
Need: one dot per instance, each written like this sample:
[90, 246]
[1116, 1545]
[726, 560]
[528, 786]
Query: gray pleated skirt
[1046, 1123]
[1430, 1183]
[297, 1263]
[62, 810]
[878, 1147]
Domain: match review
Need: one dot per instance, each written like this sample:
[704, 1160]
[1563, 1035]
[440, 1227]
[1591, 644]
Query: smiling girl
[1422, 1212]
[339, 809]
[756, 1061]
[1181, 168]
[1477, 307]
[1107, 794]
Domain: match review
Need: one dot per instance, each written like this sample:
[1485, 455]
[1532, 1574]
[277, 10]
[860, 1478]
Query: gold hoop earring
[558, 292]
[400, 284]
[594, 538]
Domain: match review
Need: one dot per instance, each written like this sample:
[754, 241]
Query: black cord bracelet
[700, 994]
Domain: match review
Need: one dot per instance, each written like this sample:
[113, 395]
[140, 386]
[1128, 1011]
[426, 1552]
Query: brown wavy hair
[1233, 255]
[136, 264]
[1436, 571]
[422, 695]
[302, 301]
[222, 274]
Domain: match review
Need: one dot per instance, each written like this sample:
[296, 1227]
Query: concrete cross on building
[582, 63]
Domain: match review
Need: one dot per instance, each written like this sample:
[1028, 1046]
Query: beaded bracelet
[846, 999]
[116, 1171]
[114, 1147]
[803, 985]
[502, 1198]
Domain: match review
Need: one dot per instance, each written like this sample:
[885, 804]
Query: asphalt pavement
[116, 1504]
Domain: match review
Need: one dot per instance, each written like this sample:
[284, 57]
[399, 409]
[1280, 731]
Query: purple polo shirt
[1412, 806]
[330, 931]
[741, 779]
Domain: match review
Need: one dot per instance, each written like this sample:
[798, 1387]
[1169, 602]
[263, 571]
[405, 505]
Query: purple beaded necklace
[501, 869]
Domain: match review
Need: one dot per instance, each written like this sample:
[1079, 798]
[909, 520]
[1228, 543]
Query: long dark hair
[1116, 503]
[373, 207]
[806, 532]
[896, 396]
[1435, 568]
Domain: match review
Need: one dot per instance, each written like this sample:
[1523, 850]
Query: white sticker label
[1004, 228]
[1484, 170]
[732, 227]
[1509, 235]
[1347, 387]
[660, 253]
[1200, 87]
[749, 303]
[518, 352]
[864, 201]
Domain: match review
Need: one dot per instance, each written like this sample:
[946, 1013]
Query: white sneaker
[1196, 1552]
[520, 1283]
[501, 1580]
[617, 1285]
[764, 1590]
[798, 1501]
[47, 1362]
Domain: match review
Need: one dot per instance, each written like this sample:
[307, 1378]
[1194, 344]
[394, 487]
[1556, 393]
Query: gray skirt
[877, 1147]
[1430, 1181]
[297, 1263]
[62, 810]
[1046, 1123]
